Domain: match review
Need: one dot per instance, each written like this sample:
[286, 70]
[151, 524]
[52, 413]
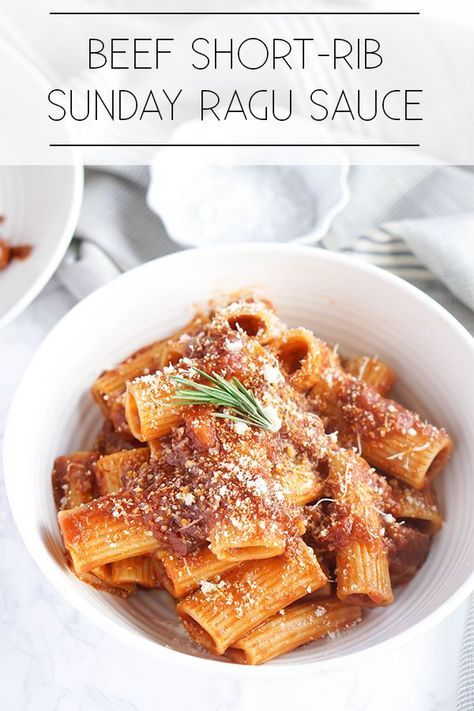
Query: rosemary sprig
[241, 403]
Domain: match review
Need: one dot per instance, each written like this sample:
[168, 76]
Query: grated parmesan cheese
[272, 374]
[240, 428]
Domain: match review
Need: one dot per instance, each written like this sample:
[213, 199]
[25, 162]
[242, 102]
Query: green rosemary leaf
[239, 403]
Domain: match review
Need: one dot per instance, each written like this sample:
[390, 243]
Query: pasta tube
[103, 531]
[138, 570]
[361, 557]
[220, 613]
[149, 406]
[109, 468]
[183, 574]
[112, 383]
[256, 539]
[298, 624]
[372, 371]
[253, 317]
[299, 357]
[422, 506]
[388, 435]
[73, 479]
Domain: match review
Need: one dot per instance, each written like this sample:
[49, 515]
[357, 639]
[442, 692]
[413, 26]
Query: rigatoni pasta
[141, 570]
[75, 483]
[181, 575]
[293, 626]
[254, 317]
[112, 382]
[356, 532]
[391, 437]
[416, 456]
[149, 407]
[363, 576]
[234, 469]
[372, 371]
[73, 479]
[229, 540]
[300, 479]
[299, 357]
[101, 579]
[225, 611]
[110, 468]
[411, 504]
[105, 530]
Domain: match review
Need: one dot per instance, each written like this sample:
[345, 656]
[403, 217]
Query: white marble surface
[52, 659]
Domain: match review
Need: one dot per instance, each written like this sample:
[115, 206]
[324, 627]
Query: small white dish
[227, 194]
[40, 203]
[364, 309]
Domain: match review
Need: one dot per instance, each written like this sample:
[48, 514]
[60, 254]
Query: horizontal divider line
[235, 145]
[230, 12]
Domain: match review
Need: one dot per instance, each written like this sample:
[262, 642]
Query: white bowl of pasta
[273, 530]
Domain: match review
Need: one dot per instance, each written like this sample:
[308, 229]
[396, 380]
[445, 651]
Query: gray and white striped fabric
[465, 700]
[379, 247]
[382, 248]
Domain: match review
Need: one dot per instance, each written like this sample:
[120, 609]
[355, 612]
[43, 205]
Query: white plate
[357, 305]
[41, 203]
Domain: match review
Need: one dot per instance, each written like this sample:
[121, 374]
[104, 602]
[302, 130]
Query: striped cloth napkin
[465, 700]
[383, 248]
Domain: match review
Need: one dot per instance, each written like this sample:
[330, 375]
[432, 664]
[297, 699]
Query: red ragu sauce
[10, 252]
[212, 470]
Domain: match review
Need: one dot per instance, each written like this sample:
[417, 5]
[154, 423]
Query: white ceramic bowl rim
[156, 199]
[49, 567]
[57, 254]
[73, 213]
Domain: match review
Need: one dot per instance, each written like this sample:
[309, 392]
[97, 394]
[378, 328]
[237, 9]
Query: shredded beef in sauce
[208, 470]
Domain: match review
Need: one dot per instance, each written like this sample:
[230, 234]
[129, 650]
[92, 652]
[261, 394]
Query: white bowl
[185, 182]
[362, 308]
[41, 203]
